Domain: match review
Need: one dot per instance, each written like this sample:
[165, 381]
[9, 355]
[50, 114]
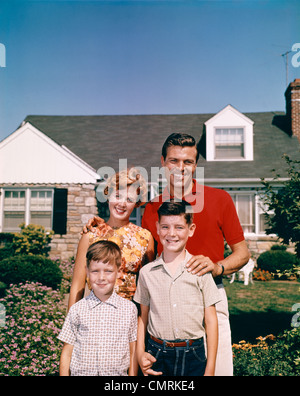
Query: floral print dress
[133, 242]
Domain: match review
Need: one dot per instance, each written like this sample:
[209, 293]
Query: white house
[51, 167]
[44, 183]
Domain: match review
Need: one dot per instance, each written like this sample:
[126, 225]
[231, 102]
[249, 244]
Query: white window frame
[229, 118]
[252, 207]
[242, 157]
[27, 203]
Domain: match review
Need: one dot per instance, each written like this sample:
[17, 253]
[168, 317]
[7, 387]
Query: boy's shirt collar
[160, 262]
[94, 301]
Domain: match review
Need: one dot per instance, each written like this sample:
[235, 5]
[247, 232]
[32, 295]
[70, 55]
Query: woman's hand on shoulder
[93, 223]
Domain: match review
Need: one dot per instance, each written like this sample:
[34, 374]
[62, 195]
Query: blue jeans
[178, 361]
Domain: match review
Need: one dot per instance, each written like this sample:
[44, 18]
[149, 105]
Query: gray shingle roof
[103, 140]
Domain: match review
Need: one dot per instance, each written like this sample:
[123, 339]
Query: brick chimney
[292, 96]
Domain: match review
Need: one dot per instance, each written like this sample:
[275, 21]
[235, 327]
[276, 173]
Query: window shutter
[60, 211]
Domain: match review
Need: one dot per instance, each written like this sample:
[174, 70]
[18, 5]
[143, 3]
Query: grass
[261, 308]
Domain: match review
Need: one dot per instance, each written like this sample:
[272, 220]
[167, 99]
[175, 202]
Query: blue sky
[144, 57]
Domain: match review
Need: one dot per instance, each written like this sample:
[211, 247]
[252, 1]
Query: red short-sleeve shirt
[217, 220]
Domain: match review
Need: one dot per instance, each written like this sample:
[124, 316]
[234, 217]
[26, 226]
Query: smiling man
[215, 221]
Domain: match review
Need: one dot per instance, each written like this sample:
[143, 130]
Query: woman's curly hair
[128, 178]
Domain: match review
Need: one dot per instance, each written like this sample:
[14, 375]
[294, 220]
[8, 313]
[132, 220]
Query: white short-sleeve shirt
[100, 333]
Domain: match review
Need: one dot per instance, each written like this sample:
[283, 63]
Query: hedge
[276, 260]
[31, 268]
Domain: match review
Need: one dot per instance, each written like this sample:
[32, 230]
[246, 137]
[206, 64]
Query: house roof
[102, 140]
[34, 152]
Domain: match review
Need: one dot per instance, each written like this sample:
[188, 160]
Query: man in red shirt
[215, 218]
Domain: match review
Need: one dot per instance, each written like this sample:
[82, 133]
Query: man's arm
[239, 257]
[200, 265]
[211, 328]
[65, 360]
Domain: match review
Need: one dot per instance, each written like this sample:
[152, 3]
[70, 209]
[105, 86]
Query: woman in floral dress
[125, 191]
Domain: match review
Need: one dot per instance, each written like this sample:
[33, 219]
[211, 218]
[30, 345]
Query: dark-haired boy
[99, 333]
[175, 304]
[216, 219]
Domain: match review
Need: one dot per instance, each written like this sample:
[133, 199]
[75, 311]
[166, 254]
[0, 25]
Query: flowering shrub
[32, 239]
[270, 356]
[262, 275]
[66, 267]
[28, 341]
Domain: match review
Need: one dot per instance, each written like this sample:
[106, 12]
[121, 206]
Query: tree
[285, 204]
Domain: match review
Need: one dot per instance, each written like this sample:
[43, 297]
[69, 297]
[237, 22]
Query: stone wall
[258, 245]
[82, 205]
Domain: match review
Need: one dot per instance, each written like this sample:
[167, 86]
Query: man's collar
[194, 198]
[94, 301]
[195, 191]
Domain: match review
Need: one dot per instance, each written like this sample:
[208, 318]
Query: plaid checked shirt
[176, 303]
[100, 333]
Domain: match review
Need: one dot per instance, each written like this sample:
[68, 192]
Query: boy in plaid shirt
[100, 331]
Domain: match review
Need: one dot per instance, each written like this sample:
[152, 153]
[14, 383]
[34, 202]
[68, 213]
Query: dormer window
[229, 136]
[229, 143]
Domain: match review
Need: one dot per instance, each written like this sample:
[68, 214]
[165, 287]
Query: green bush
[33, 239]
[23, 268]
[3, 286]
[279, 247]
[271, 356]
[276, 260]
[6, 237]
[7, 251]
[6, 245]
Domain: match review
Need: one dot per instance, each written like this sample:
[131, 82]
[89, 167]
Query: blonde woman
[125, 191]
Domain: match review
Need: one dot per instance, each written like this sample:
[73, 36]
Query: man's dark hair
[172, 208]
[179, 139]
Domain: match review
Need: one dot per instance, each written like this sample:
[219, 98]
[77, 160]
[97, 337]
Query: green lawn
[261, 309]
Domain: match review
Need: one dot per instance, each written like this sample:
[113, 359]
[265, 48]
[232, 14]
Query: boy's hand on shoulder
[146, 362]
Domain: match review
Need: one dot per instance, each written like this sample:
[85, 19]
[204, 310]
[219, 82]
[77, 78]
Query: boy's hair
[179, 139]
[105, 251]
[172, 208]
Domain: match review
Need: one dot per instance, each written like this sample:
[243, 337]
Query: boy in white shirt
[99, 333]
